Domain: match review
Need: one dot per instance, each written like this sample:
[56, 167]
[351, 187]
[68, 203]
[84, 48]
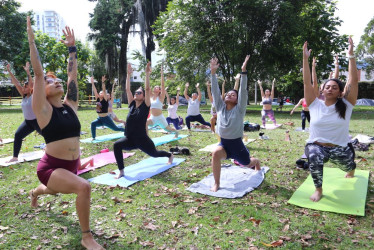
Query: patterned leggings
[270, 114]
[317, 155]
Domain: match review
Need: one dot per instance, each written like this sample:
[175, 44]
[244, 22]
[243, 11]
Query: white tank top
[172, 111]
[156, 104]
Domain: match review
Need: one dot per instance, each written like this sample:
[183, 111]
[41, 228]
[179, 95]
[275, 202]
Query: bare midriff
[156, 112]
[102, 114]
[266, 106]
[65, 149]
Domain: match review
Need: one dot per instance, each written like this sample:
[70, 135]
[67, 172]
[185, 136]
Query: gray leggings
[317, 155]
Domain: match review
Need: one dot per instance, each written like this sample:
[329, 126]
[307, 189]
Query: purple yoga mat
[101, 160]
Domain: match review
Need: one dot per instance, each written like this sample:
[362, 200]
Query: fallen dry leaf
[150, 226]
[229, 232]
[255, 222]
[273, 244]
[147, 243]
[286, 227]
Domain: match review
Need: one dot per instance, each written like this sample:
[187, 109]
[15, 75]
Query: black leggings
[304, 116]
[26, 128]
[145, 144]
[196, 118]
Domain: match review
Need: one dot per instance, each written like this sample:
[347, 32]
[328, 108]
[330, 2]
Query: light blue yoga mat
[166, 138]
[157, 141]
[103, 138]
[137, 172]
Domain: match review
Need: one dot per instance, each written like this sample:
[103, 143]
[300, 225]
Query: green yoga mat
[340, 195]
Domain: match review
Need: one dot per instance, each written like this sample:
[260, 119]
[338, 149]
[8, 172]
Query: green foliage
[272, 32]
[366, 48]
[12, 34]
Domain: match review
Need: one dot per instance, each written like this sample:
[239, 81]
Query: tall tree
[12, 31]
[366, 48]
[272, 32]
[112, 21]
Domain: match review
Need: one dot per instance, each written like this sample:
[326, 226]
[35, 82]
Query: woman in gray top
[230, 116]
[29, 125]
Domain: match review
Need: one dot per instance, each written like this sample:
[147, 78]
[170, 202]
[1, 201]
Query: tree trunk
[122, 64]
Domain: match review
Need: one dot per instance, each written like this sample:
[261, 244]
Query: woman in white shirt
[329, 127]
[193, 110]
[173, 104]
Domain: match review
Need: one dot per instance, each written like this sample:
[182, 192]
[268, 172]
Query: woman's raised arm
[72, 95]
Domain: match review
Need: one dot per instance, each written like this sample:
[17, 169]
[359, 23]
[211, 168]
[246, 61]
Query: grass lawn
[160, 213]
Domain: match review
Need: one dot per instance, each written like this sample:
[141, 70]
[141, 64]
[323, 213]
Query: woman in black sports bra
[102, 105]
[135, 130]
[60, 128]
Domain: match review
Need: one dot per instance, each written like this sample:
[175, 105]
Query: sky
[355, 14]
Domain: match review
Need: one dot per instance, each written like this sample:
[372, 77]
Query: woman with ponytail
[329, 127]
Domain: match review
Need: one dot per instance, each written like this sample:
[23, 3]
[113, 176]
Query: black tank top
[136, 120]
[101, 106]
[64, 124]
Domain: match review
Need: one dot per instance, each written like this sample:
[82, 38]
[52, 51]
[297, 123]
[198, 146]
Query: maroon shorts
[48, 164]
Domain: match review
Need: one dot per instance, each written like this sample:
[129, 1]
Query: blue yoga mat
[157, 141]
[137, 172]
[103, 138]
[166, 138]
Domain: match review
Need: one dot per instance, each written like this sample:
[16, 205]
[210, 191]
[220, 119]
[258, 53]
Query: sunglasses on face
[138, 92]
[50, 80]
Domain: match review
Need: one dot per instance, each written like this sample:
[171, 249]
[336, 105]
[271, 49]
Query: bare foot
[121, 174]
[176, 135]
[215, 188]
[91, 162]
[350, 174]
[13, 159]
[34, 199]
[170, 161]
[257, 168]
[89, 242]
[317, 195]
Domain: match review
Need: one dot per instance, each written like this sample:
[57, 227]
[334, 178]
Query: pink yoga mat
[101, 160]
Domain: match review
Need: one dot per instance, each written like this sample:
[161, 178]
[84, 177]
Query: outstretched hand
[178, 89]
[207, 84]
[69, 37]
[92, 80]
[187, 84]
[237, 77]
[213, 65]
[336, 60]
[274, 81]
[197, 85]
[8, 67]
[27, 67]
[350, 46]
[103, 79]
[148, 69]
[306, 52]
[244, 66]
[314, 62]
[30, 32]
[259, 82]
[129, 69]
